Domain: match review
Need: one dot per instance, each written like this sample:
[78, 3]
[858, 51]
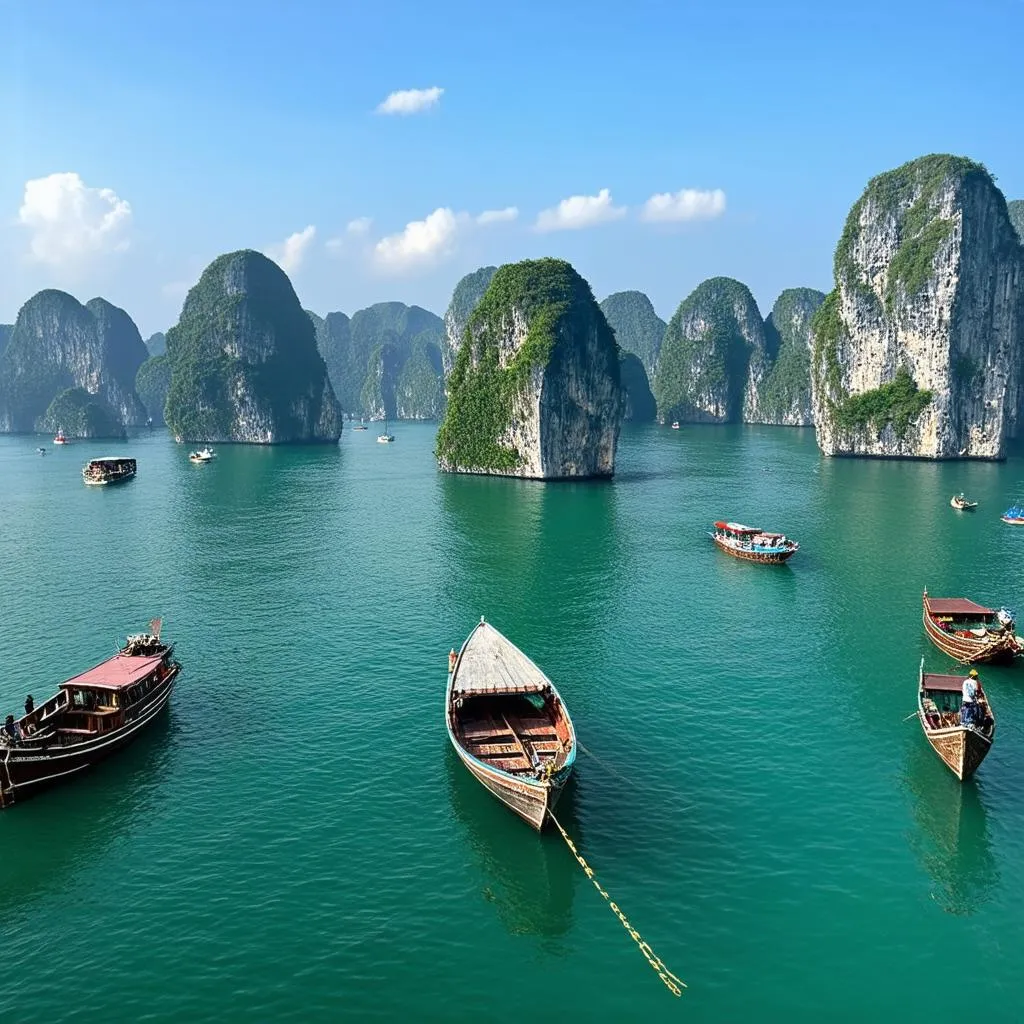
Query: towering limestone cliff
[156, 344]
[5, 336]
[1016, 211]
[58, 345]
[535, 390]
[784, 394]
[468, 293]
[714, 358]
[918, 349]
[638, 329]
[80, 414]
[152, 383]
[244, 361]
[640, 406]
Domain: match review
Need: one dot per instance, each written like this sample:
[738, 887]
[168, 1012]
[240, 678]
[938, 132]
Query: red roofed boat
[961, 736]
[752, 544]
[92, 715]
[970, 632]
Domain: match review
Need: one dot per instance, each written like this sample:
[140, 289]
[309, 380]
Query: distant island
[244, 364]
[535, 390]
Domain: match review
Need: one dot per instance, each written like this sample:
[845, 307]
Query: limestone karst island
[512, 511]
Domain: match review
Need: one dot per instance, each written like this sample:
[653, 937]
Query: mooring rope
[672, 983]
[614, 771]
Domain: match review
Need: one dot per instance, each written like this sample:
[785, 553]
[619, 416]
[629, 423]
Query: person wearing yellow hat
[970, 710]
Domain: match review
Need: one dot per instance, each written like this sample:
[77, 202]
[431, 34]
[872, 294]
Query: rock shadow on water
[951, 837]
[51, 843]
[529, 878]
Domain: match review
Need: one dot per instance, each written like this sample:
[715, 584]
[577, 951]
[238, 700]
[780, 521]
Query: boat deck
[506, 731]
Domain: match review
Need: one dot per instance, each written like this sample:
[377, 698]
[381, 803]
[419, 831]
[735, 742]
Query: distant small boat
[60, 438]
[961, 734]
[753, 544]
[961, 504]
[42, 451]
[360, 426]
[1014, 515]
[508, 724]
[675, 424]
[970, 632]
[202, 455]
[386, 437]
[111, 469]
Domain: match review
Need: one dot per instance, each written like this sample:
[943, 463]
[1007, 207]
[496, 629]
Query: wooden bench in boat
[77, 732]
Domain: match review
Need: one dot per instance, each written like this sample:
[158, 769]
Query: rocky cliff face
[467, 295]
[1016, 211]
[783, 396]
[152, 383]
[156, 344]
[638, 329]
[244, 361]
[535, 390]
[57, 345]
[917, 350]
[714, 358]
[80, 414]
[640, 406]
[5, 336]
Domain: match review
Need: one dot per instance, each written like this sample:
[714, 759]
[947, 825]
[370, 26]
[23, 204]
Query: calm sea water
[295, 841]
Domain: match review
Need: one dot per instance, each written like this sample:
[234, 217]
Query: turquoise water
[296, 842]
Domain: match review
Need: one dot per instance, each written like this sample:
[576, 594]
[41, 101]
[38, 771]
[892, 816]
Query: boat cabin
[107, 696]
[957, 614]
[109, 469]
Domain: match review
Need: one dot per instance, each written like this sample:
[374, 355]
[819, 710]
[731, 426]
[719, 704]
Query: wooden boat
[111, 469]
[752, 544]
[1014, 515]
[961, 504]
[92, 716]
[961, 736]
[202, 455]
[508, 724]
[970, 632]
[60, 438]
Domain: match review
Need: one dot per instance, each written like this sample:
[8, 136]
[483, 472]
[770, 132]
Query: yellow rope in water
[672, 983]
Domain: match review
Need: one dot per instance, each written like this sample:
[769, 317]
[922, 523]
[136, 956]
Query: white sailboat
[386, 437]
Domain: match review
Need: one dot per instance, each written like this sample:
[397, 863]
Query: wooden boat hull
[961, 749]
[112, 480]
[32, 767]
[970, 650]
[1012, 522]
[772, 557]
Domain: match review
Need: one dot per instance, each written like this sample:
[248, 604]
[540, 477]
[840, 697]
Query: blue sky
[181, 131]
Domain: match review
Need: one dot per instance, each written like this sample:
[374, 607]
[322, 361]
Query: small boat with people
[111, 469]
[93, 715]
[387, 437]
[675, 424]
[962, 504]
[970, 632]
[1014, 515]
[957, 719]
[508, 724]
[59, 438]
[361, 425]
[753, 544]
[202, 455]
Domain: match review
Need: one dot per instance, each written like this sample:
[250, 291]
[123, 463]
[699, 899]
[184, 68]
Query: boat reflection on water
[529, 877]
[951, 839]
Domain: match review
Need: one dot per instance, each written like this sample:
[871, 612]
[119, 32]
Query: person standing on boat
[970, 709]
[30, 705]
[11, 728]
[452, 659]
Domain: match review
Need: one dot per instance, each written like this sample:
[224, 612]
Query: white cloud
[580, 212]
[422, 242]
[70, 221]
[359, 226]
[686, 204]
[509, 213]
[290, 254]
[411, 101]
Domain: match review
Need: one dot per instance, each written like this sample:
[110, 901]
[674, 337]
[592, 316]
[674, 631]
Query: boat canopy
[956, 606]
[116, 673]
[111, 459]
[947, 684]
[491, 663]
[740, 528]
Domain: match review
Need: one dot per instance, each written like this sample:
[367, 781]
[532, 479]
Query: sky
[381, 151]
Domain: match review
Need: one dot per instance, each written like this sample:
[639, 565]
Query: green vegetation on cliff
[638, 329]
[788, 384]
[156, 344]
[705, 356]
[80, 414]
[243, 339]
[899, 402]
[549, 295]
[419, 391]
[152, 383]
